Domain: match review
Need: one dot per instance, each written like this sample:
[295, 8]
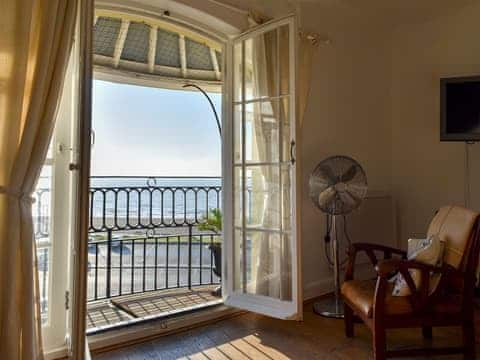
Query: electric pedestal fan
[337, 186]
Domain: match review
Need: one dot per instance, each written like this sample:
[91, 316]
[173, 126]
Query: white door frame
[82, 140]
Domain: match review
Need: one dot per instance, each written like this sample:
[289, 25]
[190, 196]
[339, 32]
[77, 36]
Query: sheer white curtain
[35, 45]
[271, 257]
[271, 265]
[264, 181]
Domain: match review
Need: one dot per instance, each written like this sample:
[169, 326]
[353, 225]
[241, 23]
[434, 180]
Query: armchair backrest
[457, 226]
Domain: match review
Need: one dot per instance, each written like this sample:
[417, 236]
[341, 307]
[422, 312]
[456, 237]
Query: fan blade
[318, 184]
[327, 172]
[356, 201]
[358, 190]
[326, 197]
[349, 174]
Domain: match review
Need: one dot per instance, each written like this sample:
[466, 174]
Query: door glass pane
[286, 137]
[238, 260]
[261, 132]
[237, 72]
[268, 264]
[284, 59]
[237, 134]
[264, 197]
[286, 200]
[237, 196]
[42, 212]
[261, 62]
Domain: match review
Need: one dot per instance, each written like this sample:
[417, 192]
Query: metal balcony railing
[151, 205]
[144, 234]
[141, 264]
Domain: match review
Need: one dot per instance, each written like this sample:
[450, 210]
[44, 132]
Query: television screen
[460, 113]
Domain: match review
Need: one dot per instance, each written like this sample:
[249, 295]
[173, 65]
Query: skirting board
[317, 288]
[325, 285]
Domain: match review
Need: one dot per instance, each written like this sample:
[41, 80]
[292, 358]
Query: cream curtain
[307, 44]
[35, 45]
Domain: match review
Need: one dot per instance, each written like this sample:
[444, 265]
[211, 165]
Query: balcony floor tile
[120, 310]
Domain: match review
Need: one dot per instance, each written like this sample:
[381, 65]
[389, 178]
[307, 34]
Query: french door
[260, 264]
[52, 216]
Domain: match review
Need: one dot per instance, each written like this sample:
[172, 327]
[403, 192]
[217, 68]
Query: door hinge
[67, 300]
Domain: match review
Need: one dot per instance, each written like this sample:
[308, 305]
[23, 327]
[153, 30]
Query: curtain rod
[315, 38]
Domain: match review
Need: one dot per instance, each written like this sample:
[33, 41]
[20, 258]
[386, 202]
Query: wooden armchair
[450, 304]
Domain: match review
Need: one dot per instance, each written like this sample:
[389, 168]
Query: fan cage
[338, 185]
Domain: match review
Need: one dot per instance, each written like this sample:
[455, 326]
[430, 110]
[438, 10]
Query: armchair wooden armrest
[369, 249]
[420, 296]
[386, 267]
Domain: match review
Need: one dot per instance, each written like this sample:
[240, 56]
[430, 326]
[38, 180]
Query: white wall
[427, 173]
[348, 114]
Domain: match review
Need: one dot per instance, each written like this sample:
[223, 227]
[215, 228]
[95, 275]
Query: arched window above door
[147, 51]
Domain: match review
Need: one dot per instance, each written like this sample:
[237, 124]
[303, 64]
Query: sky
[146, 131]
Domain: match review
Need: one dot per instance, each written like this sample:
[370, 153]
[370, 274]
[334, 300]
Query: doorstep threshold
[142, 331]
[132, 321]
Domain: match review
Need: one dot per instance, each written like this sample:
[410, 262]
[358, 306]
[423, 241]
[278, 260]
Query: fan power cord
[345, 231]
[327, 239]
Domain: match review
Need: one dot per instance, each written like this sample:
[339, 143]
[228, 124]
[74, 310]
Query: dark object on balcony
[216, 249]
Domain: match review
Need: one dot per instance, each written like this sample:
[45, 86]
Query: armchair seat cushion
[360, 293]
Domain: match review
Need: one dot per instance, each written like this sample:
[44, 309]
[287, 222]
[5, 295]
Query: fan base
[330, 307]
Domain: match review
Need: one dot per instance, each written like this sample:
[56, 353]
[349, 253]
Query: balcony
[147, 256]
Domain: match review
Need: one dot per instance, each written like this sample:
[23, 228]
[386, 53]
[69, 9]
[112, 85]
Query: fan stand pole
[331, 306]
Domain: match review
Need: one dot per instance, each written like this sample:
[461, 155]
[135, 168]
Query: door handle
[292, 152]
[73, 167]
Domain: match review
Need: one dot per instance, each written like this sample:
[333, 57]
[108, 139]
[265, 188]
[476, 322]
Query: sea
[161, 198]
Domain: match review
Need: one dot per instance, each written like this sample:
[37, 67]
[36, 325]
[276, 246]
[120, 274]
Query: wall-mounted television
[460, 109]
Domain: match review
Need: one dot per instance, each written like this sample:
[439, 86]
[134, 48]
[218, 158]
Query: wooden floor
[252, 336]
[102, 314]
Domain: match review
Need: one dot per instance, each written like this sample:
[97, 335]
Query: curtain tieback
[22, 196]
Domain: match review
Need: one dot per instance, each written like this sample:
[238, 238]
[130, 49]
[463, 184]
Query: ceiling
[395, 11]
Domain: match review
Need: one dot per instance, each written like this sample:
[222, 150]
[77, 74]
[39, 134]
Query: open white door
[260, 261]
